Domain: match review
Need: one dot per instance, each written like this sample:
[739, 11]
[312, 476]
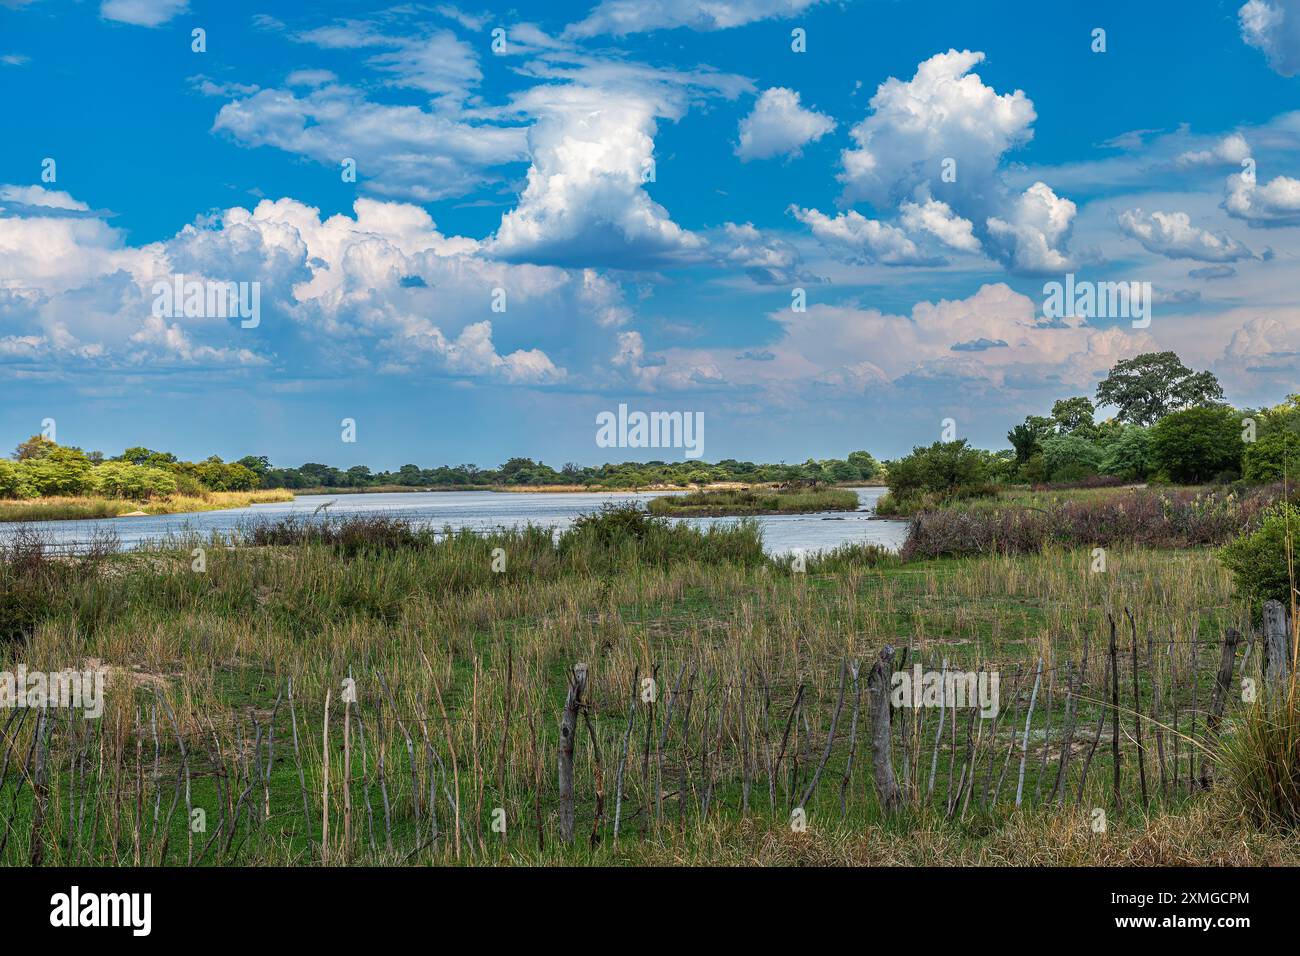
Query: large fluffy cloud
[931, 149]
[1172, 234]
[380, 290]
[779, 126]
[943, 112]
[1031, 237]
[1275, 203]
[1273, 26]
[592, 150]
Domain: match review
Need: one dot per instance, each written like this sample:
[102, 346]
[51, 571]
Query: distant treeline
[42, 468]
[859, 466]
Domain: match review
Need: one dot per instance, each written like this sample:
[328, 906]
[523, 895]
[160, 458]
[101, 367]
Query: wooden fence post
[1277, 649]
[878, 683]
[1222, 686]
[568, 732]
[1114, 712]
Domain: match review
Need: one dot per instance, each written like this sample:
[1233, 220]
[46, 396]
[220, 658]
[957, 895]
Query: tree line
[1171, 424]
[42, 468]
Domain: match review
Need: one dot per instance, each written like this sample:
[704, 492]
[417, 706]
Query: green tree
[139, 455]
[1272, 457]
[121, 479]
[945, 468]
[1074, 415]
[1154, 384]
[1129, 455]
[1261, 562]
[1070, 457]
[866, 465]
[15, 480]
[38, 446]
[1027, 438]
[1197, 444]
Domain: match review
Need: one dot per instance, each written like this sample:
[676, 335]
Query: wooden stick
[1222, 687]
[568, 729]
[622, 754]
[1137, 710]
[1024, 740]
[878, 682]
[325, 784]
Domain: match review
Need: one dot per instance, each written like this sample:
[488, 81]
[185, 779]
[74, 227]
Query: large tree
[1150, 386]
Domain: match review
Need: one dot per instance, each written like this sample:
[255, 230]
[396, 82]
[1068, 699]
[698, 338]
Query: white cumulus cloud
[1172, 234]
[1273, 26]
[779, 126]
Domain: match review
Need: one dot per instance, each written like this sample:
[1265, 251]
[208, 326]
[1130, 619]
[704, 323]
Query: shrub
[1070, 457]
[1272, 457]
[1262, 757]
[942, 469]
[1258, 559]
[350, 536]
[1129, 455]
[1170, 519]
[31, 577]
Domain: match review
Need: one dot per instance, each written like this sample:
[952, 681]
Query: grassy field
[461, 648]
[754, 501]
[62, 509]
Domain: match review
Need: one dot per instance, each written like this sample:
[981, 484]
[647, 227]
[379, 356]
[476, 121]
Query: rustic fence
[370, 775]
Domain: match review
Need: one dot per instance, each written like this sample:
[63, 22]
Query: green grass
[476, 653]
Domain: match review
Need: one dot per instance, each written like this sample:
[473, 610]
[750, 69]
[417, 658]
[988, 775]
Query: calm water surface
[484, 510]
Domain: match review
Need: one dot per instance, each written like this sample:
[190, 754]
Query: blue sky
[523, 169]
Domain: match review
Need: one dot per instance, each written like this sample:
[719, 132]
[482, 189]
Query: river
[484, 510]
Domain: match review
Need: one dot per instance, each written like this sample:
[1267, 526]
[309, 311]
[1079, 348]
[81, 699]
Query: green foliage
[121, 479]
[1027, 438]
[944, 469]
[1070, 457]
[1074, 416]
[38, 446]
[1198, 444]
[61, 471]
[1259, 560]
[755, 501]
[1272, 457]
[1154, 384]
[15, 481]
[1129, 455]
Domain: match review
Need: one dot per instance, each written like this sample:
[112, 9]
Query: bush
[1170, 519]
[1258, 559]
[1272, 457]
[943, 469]
[349, 536]
[1195, 445]
[1129, 455]
[1070, 457]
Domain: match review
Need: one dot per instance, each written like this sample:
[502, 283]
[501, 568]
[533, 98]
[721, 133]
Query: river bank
[85, 508]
